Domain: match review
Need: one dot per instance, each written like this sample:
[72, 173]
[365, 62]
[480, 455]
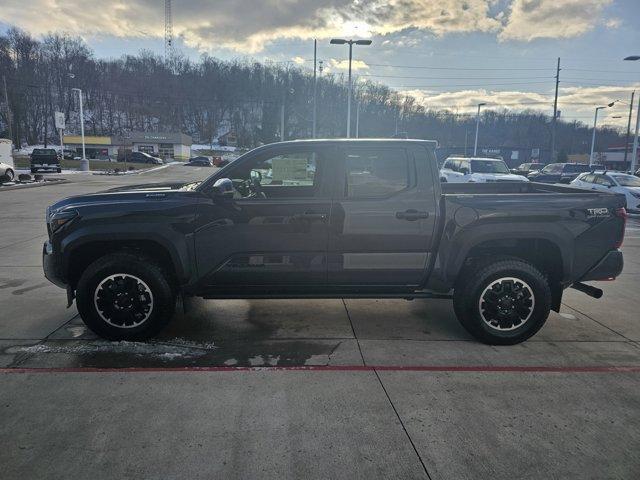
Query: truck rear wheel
[123, 296]
[503, 301]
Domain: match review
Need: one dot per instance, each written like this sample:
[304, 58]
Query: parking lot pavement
[390, 388]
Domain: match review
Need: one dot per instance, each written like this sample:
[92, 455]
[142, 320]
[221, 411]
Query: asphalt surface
[336, 389]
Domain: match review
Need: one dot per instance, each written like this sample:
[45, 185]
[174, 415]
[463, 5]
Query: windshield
[488, 166]
[627, 180]
[44, 151]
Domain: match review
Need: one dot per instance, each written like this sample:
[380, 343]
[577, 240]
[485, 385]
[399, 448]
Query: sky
[449, 54]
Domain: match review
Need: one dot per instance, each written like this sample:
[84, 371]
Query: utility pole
[357, 119]
[6, 99]
[626, 139]
[475, 145]
[555, 115]
[466, 134]
[315, 86]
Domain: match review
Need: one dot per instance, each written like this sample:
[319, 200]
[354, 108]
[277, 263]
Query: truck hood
[498, 177]
[129, 193]
[152, 187]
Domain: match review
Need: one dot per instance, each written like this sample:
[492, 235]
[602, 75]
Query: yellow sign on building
[88, 140]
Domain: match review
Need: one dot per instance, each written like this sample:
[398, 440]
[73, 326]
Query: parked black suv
[333, 219]
[142, 157]
[559, 172]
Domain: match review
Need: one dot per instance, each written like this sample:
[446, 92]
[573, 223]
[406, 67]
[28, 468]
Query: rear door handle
[311, 217]
[411, 215]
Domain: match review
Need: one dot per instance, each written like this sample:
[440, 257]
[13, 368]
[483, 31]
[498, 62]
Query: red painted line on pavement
[341, 368]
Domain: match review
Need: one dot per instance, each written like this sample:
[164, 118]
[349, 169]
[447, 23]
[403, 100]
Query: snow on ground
[214, 146]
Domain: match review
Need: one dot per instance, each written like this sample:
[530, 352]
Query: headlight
[635, 194]
[57, 220]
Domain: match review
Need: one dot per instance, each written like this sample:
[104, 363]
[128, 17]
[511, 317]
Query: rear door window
[376, 172]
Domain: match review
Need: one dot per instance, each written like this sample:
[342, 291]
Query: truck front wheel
[123, 296]
[502, 301]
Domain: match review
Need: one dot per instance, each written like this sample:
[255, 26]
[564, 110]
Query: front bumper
[608, 268]
[51, 265]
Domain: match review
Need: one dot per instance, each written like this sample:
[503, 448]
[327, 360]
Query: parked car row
[614, 182]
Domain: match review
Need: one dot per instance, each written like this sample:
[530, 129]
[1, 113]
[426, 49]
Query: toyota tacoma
[333, 219]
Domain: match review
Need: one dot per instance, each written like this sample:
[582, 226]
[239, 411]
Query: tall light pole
[634, 155]
[593, 138]
[84, 163]
[341, 41]
[475, 145]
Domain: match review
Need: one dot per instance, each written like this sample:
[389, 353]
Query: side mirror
[223, 188]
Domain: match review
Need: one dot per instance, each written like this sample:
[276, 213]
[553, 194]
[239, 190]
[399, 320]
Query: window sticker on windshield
[289, 168]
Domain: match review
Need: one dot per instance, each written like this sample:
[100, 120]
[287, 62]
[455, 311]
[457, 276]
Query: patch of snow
[160, 350]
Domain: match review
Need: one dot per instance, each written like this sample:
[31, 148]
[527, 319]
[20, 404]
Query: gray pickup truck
[333, 219]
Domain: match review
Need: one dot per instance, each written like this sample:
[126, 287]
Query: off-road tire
[474, 281]
[153, 277]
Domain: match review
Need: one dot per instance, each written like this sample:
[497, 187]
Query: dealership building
[161, 144]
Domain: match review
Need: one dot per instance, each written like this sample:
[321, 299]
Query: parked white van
[6, 156]
[476, 169]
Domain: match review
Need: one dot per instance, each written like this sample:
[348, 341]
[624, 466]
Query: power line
[469, 85]
[449, 78]
[457, 68]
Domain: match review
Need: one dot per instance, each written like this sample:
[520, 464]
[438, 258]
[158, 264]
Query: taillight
[621, 213]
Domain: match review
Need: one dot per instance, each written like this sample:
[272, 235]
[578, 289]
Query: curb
[21, 186]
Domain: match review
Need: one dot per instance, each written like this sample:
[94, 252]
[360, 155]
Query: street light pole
[593, 138]
[341, 41]
[315, 87]
[475, 146]
[634, 155]
[84, 163]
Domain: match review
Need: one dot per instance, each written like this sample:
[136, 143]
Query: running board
[405, 296]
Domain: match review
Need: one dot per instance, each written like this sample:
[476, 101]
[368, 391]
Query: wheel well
[541, 253]
[86, 254]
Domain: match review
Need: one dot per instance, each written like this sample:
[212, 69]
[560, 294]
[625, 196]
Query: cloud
[575, 103]
[613, 23]
[249, 25]
[531, 19]
[344, 65]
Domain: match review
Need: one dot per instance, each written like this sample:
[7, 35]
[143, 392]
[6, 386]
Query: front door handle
[411, 215]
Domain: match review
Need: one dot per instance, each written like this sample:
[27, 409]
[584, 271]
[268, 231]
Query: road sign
[60, 120]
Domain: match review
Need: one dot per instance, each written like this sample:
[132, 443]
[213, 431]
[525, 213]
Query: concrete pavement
[340, 420]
